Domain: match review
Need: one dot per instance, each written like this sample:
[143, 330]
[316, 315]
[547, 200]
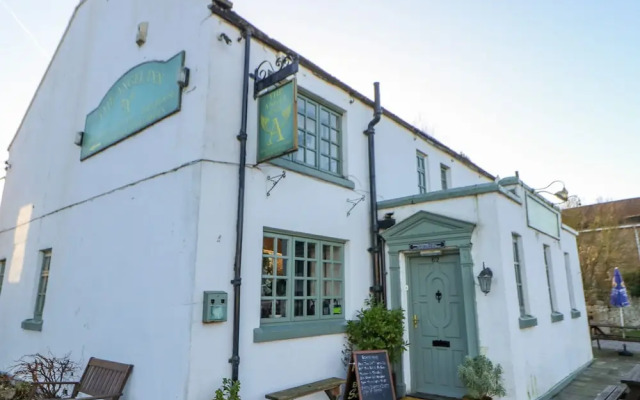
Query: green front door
[437, 330]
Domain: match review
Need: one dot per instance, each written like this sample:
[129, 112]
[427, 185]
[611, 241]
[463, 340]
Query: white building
[124, 237]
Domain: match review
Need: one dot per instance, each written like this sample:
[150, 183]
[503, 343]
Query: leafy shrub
[481, 378]
[376, 328]
[230, 390]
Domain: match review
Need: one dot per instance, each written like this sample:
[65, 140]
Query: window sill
[556, 316]
[303, 169]
[575, 313]
[292, 330]
[527, 321]
[32, 325]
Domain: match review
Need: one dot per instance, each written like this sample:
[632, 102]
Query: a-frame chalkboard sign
[369, 376]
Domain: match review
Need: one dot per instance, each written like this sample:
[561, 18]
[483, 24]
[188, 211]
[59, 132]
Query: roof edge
[235, 19]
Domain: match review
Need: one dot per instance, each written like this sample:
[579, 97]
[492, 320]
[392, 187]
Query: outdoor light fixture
[562, 194]
[484, 279]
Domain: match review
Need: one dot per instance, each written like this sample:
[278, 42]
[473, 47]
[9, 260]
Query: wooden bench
[597, 333]
[611, 392]
[102, 379]
[331, 387]
[632, 380]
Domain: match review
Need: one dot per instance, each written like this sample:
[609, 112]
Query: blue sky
[547, 88]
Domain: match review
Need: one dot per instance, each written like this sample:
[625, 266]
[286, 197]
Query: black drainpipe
[237, 266]
[373, 205]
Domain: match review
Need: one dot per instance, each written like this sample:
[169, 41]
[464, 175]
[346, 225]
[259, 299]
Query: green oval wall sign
[144, 95]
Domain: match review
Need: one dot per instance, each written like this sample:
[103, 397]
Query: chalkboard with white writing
[372, 376]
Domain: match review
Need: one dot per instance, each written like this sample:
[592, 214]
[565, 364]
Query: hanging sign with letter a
[277, 122]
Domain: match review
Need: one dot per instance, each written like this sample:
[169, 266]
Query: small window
[302, 279]
[572, 296]
[445, 176]
[517, 265]
[550, 284]
[3, 263]
[422, 172]
[42, 285]
[319, 137]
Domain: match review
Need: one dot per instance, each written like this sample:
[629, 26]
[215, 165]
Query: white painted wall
[141, 229]
[535, 359]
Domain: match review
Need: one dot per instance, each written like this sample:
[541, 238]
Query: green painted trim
[268, 333]
[556, 316]
[509, 180]
[302, 235]
[527, 321]
[564, 382]
[575, 313]
[567, 228]
[452, 193]
[32, 325]
[315, 173]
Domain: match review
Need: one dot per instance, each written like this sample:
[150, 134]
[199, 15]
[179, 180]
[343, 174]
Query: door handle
[415, 321]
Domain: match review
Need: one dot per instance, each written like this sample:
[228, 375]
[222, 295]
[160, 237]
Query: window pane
[267, 266]
[327, 271]
[310, 142]
[267, 287]
[326, 252]
[324, 163]
[324, 147]
[311, 307]
[326, 291]
[311, 250]
[281, 287]
[281, 308]
[337, 288]
[299, 287]
[334, 121]
[282, 246]
[326, 307]
[311, 269]
[334, 166]
[324, 117]
[334, 136]
[301, 104]
[310, 157]
[337, 308]
[337, 270]
[300, 154]
[299, 248]
[282, 267]
[299, 268]
[334, 150]
[298, 308]
[267, 245]
[266, 309]
[311, 287]
[300, 121]
[311, 126]
[324, 132]
[311, 111]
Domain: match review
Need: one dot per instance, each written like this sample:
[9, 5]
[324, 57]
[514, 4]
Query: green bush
[376, 328]
[481, 378]
[632, 282]
[230, 390]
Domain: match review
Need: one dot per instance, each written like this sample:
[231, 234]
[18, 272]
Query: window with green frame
[421, 160]
[319, 137]
[3, 263]
[302, 279]
[42, 286]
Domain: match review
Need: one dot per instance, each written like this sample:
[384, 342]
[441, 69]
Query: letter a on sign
[277, 122]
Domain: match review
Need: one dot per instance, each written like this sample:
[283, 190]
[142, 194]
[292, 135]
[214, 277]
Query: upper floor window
[517, 266]
[445, 176]
[302, 279]
[548, 266]
[572, 296]
[422, 172]
[319, 136]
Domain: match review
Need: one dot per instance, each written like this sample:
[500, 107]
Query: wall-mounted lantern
[484, 279]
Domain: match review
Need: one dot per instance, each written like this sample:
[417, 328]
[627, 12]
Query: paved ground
[607, 369]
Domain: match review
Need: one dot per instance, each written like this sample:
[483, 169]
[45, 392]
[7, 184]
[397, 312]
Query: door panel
[438, 342]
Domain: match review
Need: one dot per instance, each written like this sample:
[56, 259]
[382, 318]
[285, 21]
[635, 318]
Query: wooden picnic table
[597, 332]
[632, 380]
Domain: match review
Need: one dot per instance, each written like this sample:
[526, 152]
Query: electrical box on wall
[214, 307]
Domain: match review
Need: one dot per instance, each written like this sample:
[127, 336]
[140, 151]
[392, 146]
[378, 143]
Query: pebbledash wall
[138, 231]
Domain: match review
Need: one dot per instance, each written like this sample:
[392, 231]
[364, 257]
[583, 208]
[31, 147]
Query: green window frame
[319, 137]
[42, 284]
[302, 279]
[421, 160]
[549, 271]
[3, 264]
[517, 265]
[444, 177]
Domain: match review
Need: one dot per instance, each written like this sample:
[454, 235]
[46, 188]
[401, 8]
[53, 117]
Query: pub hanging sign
[141, 97]
[277, 122]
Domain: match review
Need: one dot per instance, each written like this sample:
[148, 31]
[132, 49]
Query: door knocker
[438, 296]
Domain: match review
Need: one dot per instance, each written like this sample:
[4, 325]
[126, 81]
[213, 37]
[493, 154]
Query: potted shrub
[230, 390]
[482, 379]
[376, 328]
